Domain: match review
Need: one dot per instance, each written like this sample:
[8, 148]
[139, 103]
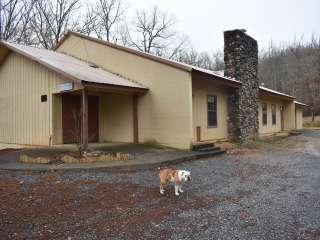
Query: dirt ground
[267, 190]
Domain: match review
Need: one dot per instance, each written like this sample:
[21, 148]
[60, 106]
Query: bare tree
[213, 61]
[15, 19]
[294, 69]
[153, 32]
[105, 17]
[89, 21]
[51, 19]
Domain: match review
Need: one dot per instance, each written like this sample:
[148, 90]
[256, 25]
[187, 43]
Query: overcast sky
[205, 20]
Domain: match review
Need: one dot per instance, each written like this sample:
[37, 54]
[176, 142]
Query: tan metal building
[112, 93]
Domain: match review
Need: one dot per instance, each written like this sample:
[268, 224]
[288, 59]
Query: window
[44, 98]
[264, 114]
[212, 111]
[274, 114]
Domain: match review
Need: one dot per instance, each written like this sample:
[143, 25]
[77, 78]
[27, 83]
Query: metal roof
[169, 62]
[80, 70]
[72, 67]
[276, 92]
[301, 104]
[176, 64]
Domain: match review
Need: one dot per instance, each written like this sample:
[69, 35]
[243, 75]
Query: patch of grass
[270, 143]
[73, 158]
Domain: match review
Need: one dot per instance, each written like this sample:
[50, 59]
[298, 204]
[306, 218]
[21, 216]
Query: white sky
[205, 20]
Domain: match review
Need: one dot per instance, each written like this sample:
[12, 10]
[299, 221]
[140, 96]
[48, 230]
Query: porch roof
[272, 92]
[301, 104]
[71, 67]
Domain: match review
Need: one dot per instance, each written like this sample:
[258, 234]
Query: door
[195, 114]
[282, 117]
[71, 118]
[93, 121]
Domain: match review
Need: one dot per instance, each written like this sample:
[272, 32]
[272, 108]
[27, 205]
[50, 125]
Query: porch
[97, 113]
[141, 156]
[276, 112]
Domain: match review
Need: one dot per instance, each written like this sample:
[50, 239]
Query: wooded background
[292, 68]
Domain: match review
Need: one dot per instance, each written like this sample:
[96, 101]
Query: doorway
[282, 117]
[71, 118]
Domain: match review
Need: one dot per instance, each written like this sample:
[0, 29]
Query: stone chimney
[241, 63]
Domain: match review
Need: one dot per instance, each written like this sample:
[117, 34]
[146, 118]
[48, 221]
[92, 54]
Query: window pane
[264, 114]
[212, 119]
[212, 111]
[274, 114]
[211, 98]
[210, 106]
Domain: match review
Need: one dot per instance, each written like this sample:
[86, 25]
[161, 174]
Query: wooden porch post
[135, 119]
[84, 122]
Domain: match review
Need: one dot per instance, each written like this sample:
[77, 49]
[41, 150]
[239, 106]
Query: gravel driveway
[270, 192]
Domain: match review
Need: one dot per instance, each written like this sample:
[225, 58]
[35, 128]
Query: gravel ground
[269, 193]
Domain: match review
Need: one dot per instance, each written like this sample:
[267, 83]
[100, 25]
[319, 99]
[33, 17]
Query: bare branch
[103, 19]
[15, 18]
[154, 33]
[51, 19]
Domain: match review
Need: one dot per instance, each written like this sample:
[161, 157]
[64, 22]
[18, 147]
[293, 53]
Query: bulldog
[176, 176]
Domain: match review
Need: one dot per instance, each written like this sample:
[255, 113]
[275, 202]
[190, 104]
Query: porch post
[135, 119]
[84, 122]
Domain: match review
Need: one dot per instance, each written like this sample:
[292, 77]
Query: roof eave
[64, 74]
[57, 70]
[282, 96]
[125, 49]
[65, 36]
[301, 104]
[180, 66]
[113, 86]
[221, 80]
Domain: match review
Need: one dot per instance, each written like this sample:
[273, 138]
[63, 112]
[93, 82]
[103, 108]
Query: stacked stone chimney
[241, 63]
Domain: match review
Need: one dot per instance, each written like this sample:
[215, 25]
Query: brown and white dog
[171, 175]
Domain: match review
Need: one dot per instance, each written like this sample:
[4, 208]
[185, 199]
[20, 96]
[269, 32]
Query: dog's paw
[181, 190]
[161, 192]
[177, 194]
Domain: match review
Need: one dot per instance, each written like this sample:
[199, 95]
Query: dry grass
[38, 160]
[101, 158]
[312, 124]
[274, 143]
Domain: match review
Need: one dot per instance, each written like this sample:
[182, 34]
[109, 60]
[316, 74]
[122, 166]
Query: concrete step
[208, 149]
[198, 146]
[295, 132]
[210, 154]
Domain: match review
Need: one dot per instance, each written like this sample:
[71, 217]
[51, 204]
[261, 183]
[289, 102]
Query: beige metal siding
[201, 89]
[270, 128]
[57, 119]
[289, 115]
[299, 118]
[165, 112]
[24, 119]
[116, 118]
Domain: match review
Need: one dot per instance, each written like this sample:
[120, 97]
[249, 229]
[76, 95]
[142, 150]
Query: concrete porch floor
[113, 147]
[141, 157]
